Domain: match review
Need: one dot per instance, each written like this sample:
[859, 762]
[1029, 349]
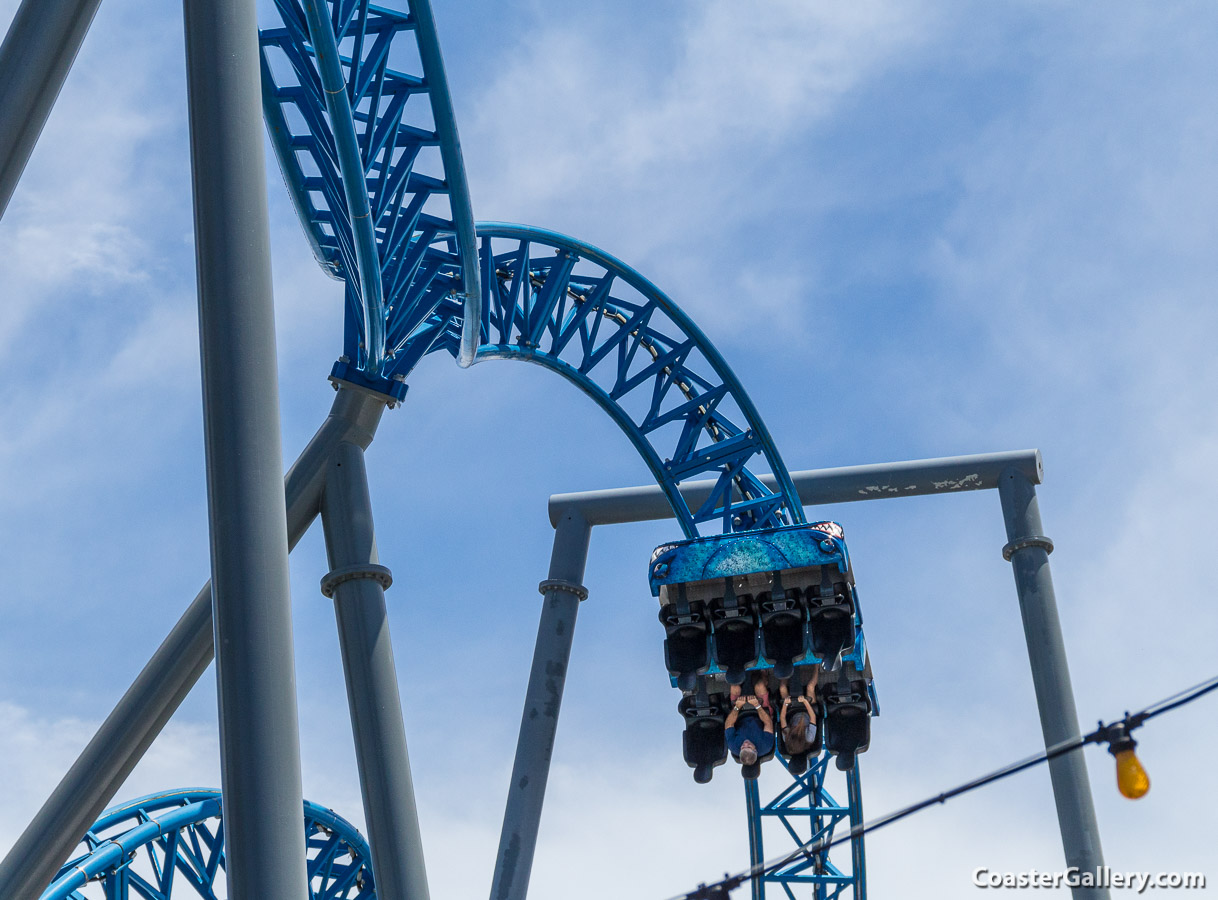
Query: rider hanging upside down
[797, 718]
[750, 736]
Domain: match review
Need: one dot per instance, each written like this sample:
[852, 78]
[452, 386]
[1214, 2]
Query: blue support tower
[807, 811]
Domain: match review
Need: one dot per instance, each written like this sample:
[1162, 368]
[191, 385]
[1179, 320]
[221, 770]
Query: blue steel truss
[357, 106]
[560, 303]
[807, 812]
[171, 847]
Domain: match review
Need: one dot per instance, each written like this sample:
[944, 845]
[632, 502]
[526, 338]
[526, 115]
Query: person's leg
[810, 687]
[810, 692]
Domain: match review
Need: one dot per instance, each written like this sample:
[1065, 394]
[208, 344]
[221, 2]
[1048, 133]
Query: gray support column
[357, 583]
[563, 592]
[1028, 551]
[252, 611]
[93, 780]
[35, 58]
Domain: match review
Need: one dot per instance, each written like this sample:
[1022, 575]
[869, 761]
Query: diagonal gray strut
[91, 783]
[37, 53]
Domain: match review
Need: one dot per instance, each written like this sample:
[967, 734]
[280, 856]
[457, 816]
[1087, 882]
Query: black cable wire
[719, 890]
[1185, 696]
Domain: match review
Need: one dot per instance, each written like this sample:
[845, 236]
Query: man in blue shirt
[751, 736]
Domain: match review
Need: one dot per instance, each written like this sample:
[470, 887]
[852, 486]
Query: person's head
[795, 735]
[748, 753]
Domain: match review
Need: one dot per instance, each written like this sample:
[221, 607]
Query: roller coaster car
[780, 598]
[704, 744]
[778, 595]
[686, 645]
[848, 710]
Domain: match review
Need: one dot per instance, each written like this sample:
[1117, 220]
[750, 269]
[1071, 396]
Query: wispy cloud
[670, 158]
[41, 746]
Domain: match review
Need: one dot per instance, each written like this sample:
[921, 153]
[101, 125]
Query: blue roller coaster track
[170, 846]
[571, 308]
[363, 128]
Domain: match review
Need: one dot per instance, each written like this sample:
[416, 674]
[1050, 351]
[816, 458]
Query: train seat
[703, 744]
[734, 636]
[830, 620]
[847, 720]
[686, 652]
[783, 630]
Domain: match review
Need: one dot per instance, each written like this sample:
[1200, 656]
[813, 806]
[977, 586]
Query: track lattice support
[806, 811]
[171, 847]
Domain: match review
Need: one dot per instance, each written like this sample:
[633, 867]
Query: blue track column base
[345, 373]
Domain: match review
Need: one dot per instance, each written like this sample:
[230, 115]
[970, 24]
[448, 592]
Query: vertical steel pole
[357, 583]
[259, 729]
[37, 53]
[563, 592]
[1028, 551]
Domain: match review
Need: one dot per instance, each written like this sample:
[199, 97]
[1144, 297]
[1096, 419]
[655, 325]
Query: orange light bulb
[1132, 780]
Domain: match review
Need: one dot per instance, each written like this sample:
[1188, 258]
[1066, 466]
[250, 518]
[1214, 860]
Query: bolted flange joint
[379, 574]
[1032, 540]
[557, 584]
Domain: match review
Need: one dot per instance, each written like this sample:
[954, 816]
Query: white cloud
[78, 223]
[732, 83]
[669, 159]
[41, 747]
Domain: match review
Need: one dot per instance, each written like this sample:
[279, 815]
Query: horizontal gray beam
[816, 487]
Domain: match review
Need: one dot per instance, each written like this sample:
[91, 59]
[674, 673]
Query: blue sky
[913, 229]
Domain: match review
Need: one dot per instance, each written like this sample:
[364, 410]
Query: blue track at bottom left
[170, 846]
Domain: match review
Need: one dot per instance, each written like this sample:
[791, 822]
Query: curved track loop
[170, 847]
[358, 109]
[565, 305]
